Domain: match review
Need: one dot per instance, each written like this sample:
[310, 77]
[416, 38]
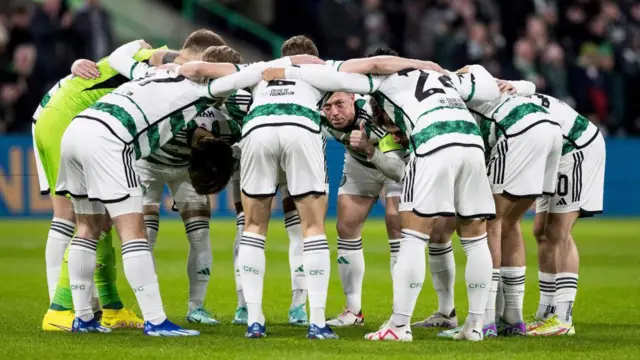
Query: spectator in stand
[375, 25]
[343, 28]
[92, 31]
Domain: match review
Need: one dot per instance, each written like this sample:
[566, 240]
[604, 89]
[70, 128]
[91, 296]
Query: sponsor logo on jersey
[281, 92]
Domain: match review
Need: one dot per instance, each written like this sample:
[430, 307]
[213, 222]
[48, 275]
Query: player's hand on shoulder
[273, 74]
[190, 69]
[170, 67]
[506, 87]
[430, 65]
[144, 44]
[306, 59]
[85, 69]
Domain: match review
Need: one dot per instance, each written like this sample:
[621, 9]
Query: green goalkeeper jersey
[77, 94]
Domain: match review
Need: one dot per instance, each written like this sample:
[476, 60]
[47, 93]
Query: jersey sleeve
[328, 79]
[45, 99]
[523, 87]
[475, 84]
[123, 62]
[391, 164]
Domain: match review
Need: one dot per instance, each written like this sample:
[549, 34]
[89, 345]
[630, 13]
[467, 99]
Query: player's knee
[347, 228]
[63, 209]
[151, 210]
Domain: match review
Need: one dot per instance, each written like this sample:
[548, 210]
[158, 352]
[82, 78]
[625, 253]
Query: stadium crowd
[38, 44]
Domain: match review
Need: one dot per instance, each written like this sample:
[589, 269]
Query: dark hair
[299, 45]
[211, 165]
[383, 51]
[221, 54]
[377, 113]
[199, 40]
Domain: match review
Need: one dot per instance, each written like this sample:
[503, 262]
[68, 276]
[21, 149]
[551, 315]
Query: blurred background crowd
[585, 52]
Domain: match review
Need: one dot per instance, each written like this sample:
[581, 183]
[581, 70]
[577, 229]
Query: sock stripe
[436, 251]
[63, 225]
[135, 246]
[152, 224]
[313, 245]
[294, 220]
[64, 231]
[85, 243]
[512, 283]
[196, 228]
[350, 245]
[250, 241]
[240, 221]
[196, 224]
[495, 277]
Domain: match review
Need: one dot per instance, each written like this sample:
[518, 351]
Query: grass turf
[607, 312]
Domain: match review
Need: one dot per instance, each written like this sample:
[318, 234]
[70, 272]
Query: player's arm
[203, 69]
[226, 85]
[85, 69]
[389, 163]
[123, 62]
[385, 65]
[162, 57]
[475, 83]
[521, 87]
[326, 78]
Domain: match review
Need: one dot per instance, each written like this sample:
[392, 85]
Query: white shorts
[449, 182]
[361, 180]
[152, 178]
[575, 192]
[526, 166]
[96, 170]
[42, 177]
[296, 151]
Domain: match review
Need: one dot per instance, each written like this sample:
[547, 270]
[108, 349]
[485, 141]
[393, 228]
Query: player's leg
[240, 316]
[46, 139]
[297, 314]
[427, 193]
[111, 179]
[303, 162]
[258, 178]
[195, 211]
[152, 180]
[443, 275]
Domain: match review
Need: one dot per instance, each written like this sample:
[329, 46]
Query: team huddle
[449, 150]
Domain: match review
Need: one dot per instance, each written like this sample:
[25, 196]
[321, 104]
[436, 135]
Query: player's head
[383, 120]
[199, 40]
[210, 165]
[299, 45]
[340, 109]
[382, 51]
[221, 54]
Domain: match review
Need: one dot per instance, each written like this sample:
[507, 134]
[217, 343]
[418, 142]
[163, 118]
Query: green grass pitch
[607, 312]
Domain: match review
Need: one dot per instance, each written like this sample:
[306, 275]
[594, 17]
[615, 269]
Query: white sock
[152, 223]
[252, 263]
[547, 305]
[351, 269]
[236, 268]
[499, 299]
[443, 274]
[409, 275]
[394, 248]
[95, 299]
[140, 271]
[82, 266]
[566, 291]
[200, 261]
[60, 234]
[477, 274]
[513, 284]
[317, 268]
[298, 281]
[490, 310]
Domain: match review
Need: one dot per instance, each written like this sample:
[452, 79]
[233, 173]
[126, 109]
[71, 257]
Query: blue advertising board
[20, 196]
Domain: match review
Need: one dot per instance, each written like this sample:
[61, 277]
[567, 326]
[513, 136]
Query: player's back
[149, 111]
[77, 94]
[283, 103]
[577, 130]
[428, 108]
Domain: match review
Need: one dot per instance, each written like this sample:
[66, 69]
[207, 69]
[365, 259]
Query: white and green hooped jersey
[577, 131]
[45, 99]
[236, 106]
[176, 152]
[507, 116]
[283, 103]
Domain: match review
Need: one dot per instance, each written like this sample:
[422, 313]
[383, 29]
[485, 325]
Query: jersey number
[544, 100]
[176, 79]
[280, 83]
[421, 93]
[563, 185]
